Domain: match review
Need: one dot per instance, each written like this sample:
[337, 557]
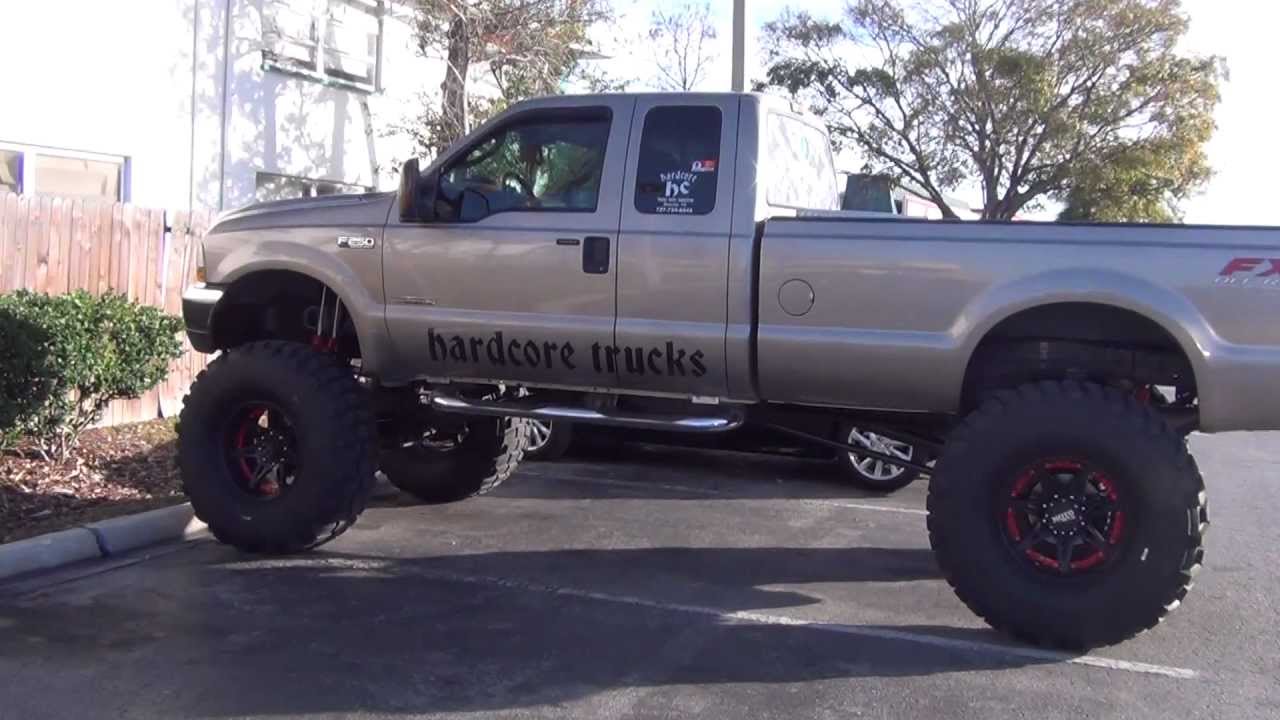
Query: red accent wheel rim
[261, 454]
[1063, 515]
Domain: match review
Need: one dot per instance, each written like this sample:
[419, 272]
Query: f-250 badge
[355, 242]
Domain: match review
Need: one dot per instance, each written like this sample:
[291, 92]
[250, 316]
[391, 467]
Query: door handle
[595, 255]
[567, 241]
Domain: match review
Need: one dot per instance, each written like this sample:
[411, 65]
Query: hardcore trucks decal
[501, 350]
[677, 192]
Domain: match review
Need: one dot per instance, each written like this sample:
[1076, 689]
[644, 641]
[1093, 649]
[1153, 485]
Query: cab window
[679, 160]
[801, 173]
[551, 163]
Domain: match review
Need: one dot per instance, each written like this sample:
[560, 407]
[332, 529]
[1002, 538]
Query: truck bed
[898, 306]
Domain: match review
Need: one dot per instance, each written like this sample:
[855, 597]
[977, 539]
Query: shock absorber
[319, 341]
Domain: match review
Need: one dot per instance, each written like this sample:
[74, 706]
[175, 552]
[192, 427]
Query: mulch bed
[114, 471]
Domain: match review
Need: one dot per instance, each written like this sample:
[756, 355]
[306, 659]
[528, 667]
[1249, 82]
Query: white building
[206, 103]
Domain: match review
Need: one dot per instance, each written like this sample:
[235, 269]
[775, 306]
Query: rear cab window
[800, 171]
[679, 162]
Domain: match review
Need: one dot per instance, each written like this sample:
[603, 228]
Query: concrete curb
[122, 534]
[45, 552]
[102, 539]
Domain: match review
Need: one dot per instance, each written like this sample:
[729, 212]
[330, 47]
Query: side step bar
[570, 413]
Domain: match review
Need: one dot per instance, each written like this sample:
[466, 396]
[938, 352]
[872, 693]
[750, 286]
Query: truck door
[673, 249]
[515, 279]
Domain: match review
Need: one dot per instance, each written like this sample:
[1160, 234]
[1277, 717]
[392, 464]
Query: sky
[1245, 149]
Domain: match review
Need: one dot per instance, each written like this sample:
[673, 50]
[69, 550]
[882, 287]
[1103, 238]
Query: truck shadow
[347, 633]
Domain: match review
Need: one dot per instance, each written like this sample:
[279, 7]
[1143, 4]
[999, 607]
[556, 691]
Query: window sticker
[677, 196]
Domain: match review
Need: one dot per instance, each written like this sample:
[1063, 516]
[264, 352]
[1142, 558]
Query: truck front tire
[275, 447]
[480, 459]
[1067, 514]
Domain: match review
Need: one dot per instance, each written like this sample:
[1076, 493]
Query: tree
[1028, 99]
[528, 47]
[684, 37]
[1144, 184]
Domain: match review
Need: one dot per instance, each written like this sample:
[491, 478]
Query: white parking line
[634, 485]
[879, 633]
[867, 506]
[629, 484]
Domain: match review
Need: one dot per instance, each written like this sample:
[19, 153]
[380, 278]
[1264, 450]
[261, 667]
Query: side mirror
[417, 193]
[409, 177]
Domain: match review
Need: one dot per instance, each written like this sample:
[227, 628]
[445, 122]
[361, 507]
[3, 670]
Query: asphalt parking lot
[664, 583]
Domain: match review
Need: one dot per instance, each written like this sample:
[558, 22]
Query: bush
[63, 358]
[24, 384]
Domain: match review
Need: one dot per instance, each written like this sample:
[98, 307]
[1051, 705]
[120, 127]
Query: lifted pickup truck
[677, 262]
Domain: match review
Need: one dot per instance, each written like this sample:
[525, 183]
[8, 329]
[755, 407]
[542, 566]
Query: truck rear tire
[1067, 514]
[275, 448]
[479, 461]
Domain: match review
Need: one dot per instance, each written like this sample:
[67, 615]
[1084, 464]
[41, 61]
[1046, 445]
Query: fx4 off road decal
[1250, 272]
[500, 350]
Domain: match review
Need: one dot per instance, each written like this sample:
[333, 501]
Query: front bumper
[198, 304]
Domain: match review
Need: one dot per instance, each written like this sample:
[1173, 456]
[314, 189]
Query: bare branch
[683, 35]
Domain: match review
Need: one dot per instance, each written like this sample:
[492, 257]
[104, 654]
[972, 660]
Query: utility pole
[739, 81]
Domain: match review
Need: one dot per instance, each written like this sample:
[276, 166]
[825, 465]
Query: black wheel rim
[1063, 516]
[261, 450]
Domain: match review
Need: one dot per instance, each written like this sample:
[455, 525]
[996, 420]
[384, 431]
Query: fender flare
[1164, 307]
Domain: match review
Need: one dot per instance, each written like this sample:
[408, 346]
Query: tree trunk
[453, 109]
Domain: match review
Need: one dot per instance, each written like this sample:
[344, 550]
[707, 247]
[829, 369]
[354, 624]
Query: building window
[273, 186]
[49, 171]
[328, 40]
[81, 177]
[10, 171]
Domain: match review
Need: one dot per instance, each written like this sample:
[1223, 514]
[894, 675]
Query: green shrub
[63, 358]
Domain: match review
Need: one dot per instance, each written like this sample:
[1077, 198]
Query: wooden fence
[55, 245]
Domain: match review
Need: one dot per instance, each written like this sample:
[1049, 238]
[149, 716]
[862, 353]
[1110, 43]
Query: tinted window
[679, 161]
[800, 173]
[551, 164]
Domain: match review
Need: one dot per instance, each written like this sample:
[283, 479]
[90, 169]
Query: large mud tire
[332, 433]
[488, 454]
[1128, 461]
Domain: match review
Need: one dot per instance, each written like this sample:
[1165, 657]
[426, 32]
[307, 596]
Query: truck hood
[349, 210]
